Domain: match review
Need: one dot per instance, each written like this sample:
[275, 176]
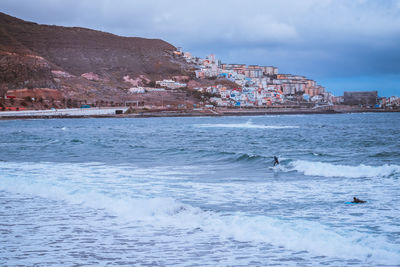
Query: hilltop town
[257, 86]
[253, 86]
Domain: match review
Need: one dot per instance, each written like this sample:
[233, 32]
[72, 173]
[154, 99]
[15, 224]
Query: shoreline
[200, 113]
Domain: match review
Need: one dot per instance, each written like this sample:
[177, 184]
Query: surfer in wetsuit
[356, 200]
[276, 161]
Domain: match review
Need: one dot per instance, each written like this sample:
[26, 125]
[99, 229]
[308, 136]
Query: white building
[137, 90]
[170, 84]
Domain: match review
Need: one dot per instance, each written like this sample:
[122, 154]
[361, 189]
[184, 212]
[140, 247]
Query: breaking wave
[247, 125]
[296, 235]
[225, 156]
[148, 210]
[331, 170]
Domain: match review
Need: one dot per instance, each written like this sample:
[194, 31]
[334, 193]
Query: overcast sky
[342, 44]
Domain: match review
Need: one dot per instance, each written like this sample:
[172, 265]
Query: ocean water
[201, 191]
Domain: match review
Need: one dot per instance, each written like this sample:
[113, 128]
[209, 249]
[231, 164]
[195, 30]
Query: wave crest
[247, 157]
[247, 125]
[331, 170]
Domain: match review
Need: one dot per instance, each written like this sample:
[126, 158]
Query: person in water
[276, 161]
[356, 200]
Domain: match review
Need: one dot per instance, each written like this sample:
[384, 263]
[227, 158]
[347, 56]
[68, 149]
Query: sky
[344, 45]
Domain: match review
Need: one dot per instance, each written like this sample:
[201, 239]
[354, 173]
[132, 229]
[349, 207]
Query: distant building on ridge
[364, 98]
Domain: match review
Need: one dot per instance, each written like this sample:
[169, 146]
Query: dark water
[201, 191]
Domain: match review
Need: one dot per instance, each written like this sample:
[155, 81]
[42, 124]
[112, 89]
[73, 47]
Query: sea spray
[331, 170]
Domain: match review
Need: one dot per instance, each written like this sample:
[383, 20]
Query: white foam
[297, 235]
[331, 170]
[247, 125]
[72, 184]
[85, 191]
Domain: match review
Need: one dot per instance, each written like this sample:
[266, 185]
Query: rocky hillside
[80, 63]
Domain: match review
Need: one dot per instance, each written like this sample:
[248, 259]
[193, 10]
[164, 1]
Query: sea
[201, 191]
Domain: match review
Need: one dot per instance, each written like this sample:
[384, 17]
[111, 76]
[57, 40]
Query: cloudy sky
[342, 44]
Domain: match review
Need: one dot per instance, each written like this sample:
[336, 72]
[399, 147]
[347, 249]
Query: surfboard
[352, 203]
